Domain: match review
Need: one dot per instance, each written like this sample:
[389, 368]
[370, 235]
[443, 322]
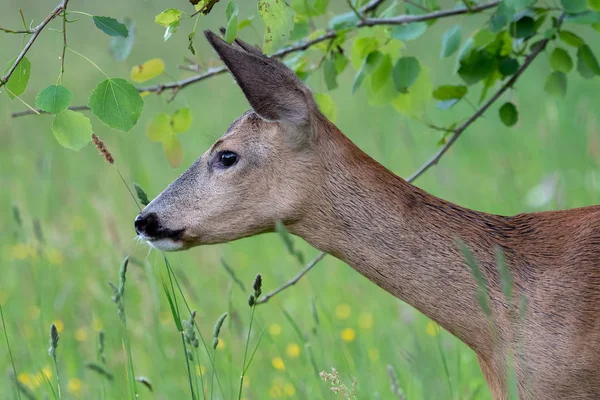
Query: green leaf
[405, 73]
[330, 74]
[587, 64]
[343, 21]
[174, 311]
[451, 41]
[518, 5]
[278, 19]
[507, 66]
[501, 17]
[523, 28]
[54, 99]
[415, 101]
[171, 29]
[409, 31]
[358, 79]
[556, 84]
[17, 83]
[561, 61]
[584, 18]
[110, 26]
[120, 47]
[381, 75]
[159, 128]
[594, 4]
[574, 6]
[476, 66]
[450, 92]
[372, 61]
[167, 17]
[141, 194]
[182, 120]
[310, 8]
[326, 105]
[571, 39]
[232, 21]
[117, 103]
[71, 129]
[483, 37]
[361, 48]
[509, 114]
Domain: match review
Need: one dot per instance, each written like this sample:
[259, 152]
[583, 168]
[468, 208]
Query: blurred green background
[83, 217]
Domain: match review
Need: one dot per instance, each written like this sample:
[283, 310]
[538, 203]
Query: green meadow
[67, 225]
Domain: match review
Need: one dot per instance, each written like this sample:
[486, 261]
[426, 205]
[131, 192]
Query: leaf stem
[90, 61]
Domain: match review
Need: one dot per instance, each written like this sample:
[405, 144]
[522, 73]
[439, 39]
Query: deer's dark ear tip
[213, 38]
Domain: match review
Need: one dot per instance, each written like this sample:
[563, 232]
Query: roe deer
[284, 161]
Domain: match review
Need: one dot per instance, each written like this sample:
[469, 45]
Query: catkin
[102, 149]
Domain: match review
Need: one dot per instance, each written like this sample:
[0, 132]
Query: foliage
[487, 58]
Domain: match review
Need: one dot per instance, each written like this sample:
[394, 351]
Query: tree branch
[35, 33]
[28, 31]
[407, 19]
[40, 111]
[458, 131]
[176, 86]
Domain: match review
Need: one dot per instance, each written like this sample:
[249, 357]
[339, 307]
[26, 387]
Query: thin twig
[407, 19]
[358, 14]
[329, 35]
[292, 281]
[62, 57]
[458, 131]
[37, 111]
[36, 32]
[371, 6]
[28, 31]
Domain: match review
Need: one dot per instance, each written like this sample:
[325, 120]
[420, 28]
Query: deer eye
[227, 158]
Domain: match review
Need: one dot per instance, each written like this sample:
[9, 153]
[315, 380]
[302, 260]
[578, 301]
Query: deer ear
[272, 89]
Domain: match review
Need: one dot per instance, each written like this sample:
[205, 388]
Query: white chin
[165, 244]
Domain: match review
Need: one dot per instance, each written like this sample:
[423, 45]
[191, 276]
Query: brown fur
[299, 168]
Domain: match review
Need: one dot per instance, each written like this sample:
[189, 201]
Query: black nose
[146, 224]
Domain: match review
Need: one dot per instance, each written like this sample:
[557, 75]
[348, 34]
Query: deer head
[259, 172]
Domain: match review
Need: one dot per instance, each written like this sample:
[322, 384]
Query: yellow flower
[22, 251]
[34, 312]
[277, 363]
[275, 391]
[55, 257]
[373, 354]
[59, 325]
[343, 311]
[432, 329]
[47, 370]
[97, 324]
[221, 344]
[200, 370]
[81, 335]
[74, 386]
[348, 335]
[365, 320]
[274, 329]
[27, 380]
[289, 390]
[293, 350]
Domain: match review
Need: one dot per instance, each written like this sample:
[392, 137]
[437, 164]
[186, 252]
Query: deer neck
[400, 237]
